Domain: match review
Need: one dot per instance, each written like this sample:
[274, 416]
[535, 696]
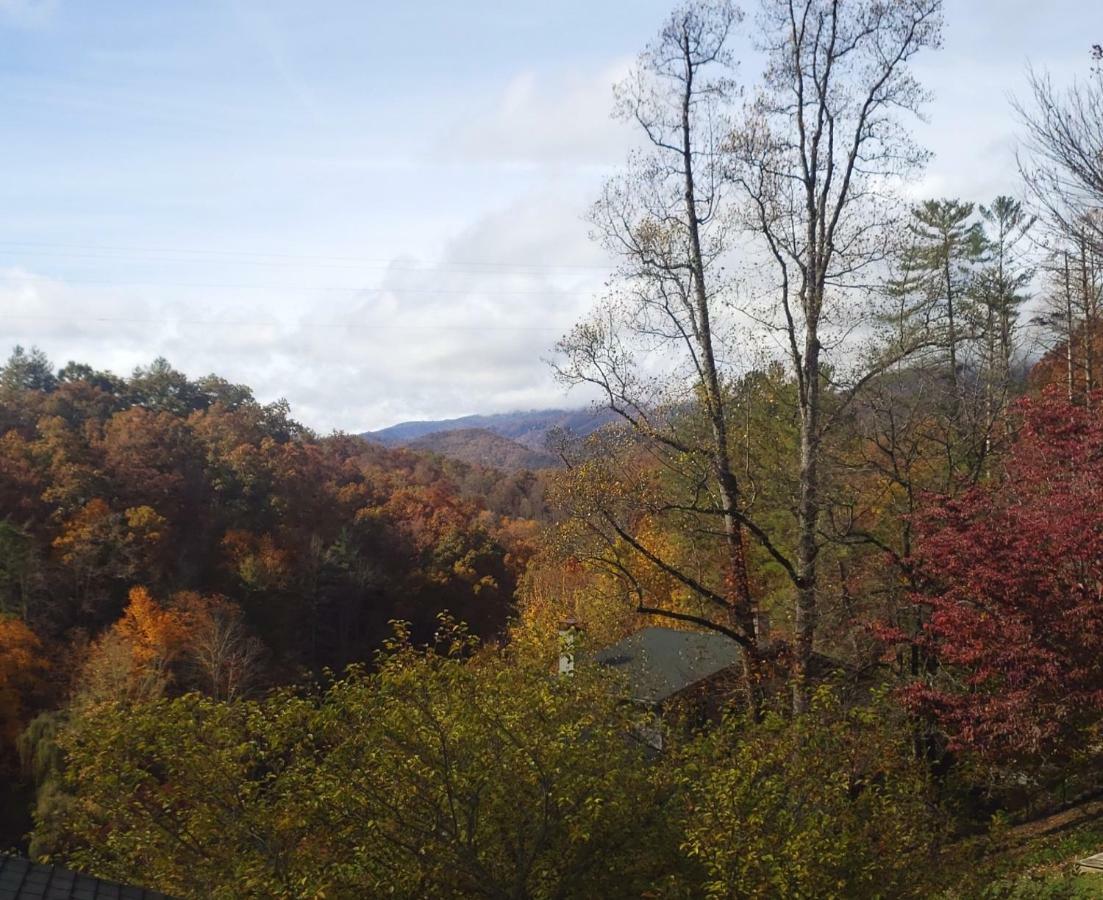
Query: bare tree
[225, 657]
[817, 158]
[1072, 314]
[1061, 160]
[652, 347]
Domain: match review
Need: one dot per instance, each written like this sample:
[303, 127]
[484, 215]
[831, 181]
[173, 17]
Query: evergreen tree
[1000, 290]
[946, 246]
[27, 371]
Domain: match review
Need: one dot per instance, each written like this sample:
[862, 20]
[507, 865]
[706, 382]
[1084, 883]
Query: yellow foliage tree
[135, 658]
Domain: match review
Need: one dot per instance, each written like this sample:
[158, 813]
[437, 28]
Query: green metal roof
[661, 662]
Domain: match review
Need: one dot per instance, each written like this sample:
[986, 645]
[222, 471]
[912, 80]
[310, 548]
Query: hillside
[529, 429]
[482, 447]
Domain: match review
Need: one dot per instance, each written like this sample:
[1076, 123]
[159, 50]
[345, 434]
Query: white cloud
[465, 334]
[560, 119]
[460, 336]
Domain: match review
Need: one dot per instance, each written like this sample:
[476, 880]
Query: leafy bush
[829, 805]
[436, 776]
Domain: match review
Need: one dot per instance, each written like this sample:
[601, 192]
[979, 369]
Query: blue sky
[373, 209]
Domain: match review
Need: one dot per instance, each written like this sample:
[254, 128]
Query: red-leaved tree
[1013, 573]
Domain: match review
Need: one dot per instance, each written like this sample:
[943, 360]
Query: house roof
[21, 879]
[661, 662]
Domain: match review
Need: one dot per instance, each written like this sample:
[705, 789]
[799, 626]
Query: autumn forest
[851, 435]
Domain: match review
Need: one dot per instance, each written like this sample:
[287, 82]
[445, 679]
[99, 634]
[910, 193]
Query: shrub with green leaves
[436, 776]
[828, 805]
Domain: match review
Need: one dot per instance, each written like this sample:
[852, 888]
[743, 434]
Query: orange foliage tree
[22, 671]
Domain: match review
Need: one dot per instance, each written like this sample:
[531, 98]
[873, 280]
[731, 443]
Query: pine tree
[946, 246]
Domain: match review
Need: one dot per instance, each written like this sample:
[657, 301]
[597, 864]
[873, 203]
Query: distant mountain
[481, 447]
[529, 429]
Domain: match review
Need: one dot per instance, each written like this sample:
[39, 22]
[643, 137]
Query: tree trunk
[1069, 334]
[743, 610]
[1088, 340]
[808, 514]
[952, 336]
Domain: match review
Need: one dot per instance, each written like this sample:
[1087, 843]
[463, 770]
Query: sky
[375, 210]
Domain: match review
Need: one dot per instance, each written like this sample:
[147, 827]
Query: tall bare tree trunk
[837, 72]
[662, 222]
[744, 610]
[1069, 334]
[1087, 340]
[952, 335]
[808, 516]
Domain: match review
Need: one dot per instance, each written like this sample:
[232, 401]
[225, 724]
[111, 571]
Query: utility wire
[107, 252]
[355, 326]
[107, 282]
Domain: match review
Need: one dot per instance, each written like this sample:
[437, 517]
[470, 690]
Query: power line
[107, 282]
[356, 326]
[178, 254]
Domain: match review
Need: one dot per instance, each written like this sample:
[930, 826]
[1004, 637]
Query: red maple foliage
[1014, 591]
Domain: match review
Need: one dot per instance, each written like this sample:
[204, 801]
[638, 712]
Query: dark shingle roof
[21, 879]
[661, 662]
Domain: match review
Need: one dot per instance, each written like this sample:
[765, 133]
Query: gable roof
[21, 879]
[661, 662]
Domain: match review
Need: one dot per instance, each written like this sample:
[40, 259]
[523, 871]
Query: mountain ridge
[480, 446]
[527, 427]
[509, 441]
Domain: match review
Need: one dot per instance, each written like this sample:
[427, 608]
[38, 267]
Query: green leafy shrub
[435, 776]
[829, 805]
